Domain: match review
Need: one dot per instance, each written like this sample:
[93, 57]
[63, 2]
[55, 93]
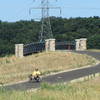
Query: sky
[15, 10]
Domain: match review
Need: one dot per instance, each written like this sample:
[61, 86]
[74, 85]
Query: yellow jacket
[35, 73]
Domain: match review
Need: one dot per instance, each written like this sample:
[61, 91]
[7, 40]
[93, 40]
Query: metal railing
[40, 46]
[33, 48]
[66, 45]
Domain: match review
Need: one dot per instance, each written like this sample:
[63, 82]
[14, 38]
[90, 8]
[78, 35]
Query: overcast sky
[14, 10]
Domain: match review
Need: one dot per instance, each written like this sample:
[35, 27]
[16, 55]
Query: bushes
[94, 41]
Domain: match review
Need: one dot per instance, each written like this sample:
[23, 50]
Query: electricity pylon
[46, 31]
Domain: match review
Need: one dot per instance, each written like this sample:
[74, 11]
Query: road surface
[61, 77]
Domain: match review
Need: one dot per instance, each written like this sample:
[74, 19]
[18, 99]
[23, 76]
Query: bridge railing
[65, 45]
[33, 48]
[50, 45]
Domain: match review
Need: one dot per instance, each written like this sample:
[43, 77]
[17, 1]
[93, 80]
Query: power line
[46, 31]
[90, 8]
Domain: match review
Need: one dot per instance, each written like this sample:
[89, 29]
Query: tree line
[64, 29]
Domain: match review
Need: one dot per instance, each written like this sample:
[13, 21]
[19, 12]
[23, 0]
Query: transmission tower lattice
[46, 31]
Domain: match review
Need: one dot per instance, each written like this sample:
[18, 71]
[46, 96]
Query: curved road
[62, 77]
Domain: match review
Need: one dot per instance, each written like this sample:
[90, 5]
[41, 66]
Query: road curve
[61, 77]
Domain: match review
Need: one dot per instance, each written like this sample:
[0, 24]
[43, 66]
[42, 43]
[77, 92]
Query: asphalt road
[62, 77]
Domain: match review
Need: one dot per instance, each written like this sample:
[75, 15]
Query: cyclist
[36, 73]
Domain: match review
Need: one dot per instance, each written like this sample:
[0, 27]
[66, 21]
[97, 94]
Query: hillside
[14, 69]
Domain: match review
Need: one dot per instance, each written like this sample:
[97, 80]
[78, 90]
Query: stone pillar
[81, 44]
[47, 45]
[50, 45]
[19, 50]
[77, 46]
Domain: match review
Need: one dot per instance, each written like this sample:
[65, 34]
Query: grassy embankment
[87, 90]
[14, 69]
[94, 50]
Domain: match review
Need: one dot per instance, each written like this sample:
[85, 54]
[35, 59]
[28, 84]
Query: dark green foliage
[74, 28]
[63, 29]
[16, 33]
[94, 41]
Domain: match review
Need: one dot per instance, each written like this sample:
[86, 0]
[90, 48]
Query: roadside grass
[14, 69]
[95, 50]
[87, 90]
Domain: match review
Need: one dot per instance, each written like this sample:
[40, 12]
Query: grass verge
[95, 50]
[87, 90]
